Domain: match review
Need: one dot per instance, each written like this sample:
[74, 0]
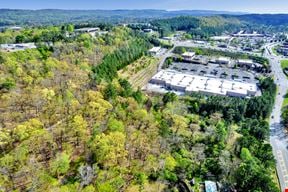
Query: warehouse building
[186, 83]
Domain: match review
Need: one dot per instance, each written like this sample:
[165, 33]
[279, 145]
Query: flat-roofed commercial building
[223, 60]
[245, 62]
[186, 83]
[188, 56]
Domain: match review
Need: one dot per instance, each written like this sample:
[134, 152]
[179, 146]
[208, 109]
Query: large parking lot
[215, 70]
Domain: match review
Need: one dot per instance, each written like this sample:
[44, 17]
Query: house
[188, 56]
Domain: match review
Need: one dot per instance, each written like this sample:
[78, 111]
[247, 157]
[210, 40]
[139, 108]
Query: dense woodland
[198, 27]
[69, 123]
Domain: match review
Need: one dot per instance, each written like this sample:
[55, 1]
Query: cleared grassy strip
[142, 78]
[275, 178]
[284, 65]
[140, 72]
[285, 103]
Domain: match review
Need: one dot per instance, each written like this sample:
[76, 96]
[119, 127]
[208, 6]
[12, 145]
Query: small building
[154, 51]
[188, 56]
[210, 186]
[223, 60]
[15, 28]
[147, 30]
[245, 63]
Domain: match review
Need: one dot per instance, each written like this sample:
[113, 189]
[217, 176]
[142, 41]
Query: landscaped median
[285, 103]
[284, 65]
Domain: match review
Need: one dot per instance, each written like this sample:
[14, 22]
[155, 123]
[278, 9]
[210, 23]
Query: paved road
[278, 138]
[163, 58]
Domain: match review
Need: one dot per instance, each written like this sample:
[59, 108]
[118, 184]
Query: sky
[253, 6]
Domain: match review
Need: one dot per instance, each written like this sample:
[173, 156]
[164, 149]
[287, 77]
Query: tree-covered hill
[198, 26]
[52, 16]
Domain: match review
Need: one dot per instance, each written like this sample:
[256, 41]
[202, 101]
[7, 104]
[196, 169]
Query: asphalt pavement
[278, 136]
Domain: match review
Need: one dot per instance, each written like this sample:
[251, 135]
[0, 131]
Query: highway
[278, 136]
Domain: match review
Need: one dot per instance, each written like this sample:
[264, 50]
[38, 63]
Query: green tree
[61, 164]
[169, 97]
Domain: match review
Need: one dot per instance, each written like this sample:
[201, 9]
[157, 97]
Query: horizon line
[136, 9]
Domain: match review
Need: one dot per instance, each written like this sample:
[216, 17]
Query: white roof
[210, 186]
[249, 61]
[194, 83]
[220, 37]
[87, 29]
[19, 46]
[155, 49]
[188, 54]
[223, 59]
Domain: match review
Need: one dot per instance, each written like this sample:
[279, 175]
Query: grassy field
[140, 72]
[284, 64]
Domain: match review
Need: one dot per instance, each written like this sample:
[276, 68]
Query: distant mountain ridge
[58, 16]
